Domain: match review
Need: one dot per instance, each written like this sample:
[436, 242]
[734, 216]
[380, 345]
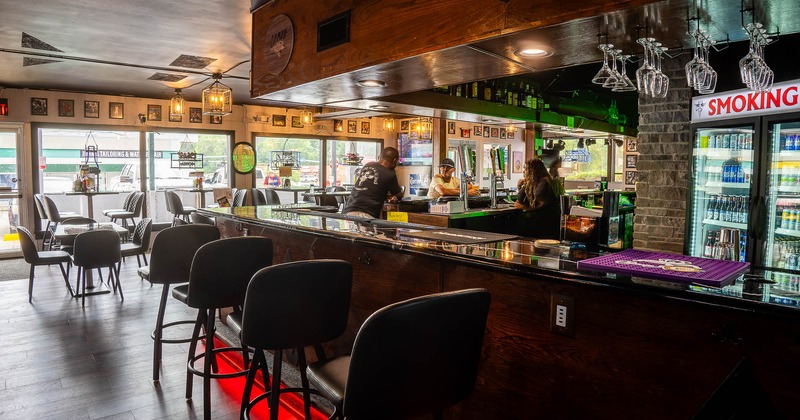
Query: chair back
[37, 199]
[96, 249]
[135, 206]
[141, 235]
[221, 270]
[175, 203]
[330, 200]
[28, 245]
[417, 357]
[297, 304]
[239, 198]
[198, 218]
[168, 201]
[174, 249]
[51, 209]
[128, 203]
[259, 199]
[272, 197]
[78, 220]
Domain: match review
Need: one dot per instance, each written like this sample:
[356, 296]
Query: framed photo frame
[296, 122]
[631, 145]
[278, 120]
[477, 131]
[485, 131]
[38, 106]
[66, 108]
[338, 126]
[175, 118]
[153, 112]
[451, 127]
[517, 162]
[116, 110]
[91, 109]
[495, 132]
[630, 177]
[502, 133]
[630, 161]
[465, 133]
[404, 125]
[196, 115]
[351, 126]
[364, 127]
[215, 119]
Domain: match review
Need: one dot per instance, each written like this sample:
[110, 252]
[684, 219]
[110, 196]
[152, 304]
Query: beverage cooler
[744, 199]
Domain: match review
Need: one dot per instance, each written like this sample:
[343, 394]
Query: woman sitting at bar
[538, 198]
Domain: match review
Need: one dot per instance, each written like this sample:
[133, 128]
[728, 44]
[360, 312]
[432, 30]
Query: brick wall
[664, 163]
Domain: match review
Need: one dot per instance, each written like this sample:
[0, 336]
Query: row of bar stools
[218, 279]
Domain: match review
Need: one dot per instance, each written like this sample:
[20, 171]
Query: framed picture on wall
[91, 109]
[630, 145]
[351, 126]
[338, 126]
[404, 125]
[364, 127]
[66, 108]
[451, 127]
[38, 106]
[465, 132]
[215, 119]
[630, 177]
[477, 131]
[116, 110]
[495, 132]
[153, 112]
[502, 133]
[196, 115]
[485, 131]
[516, 162]
[279, 120]
[630, 161]
[296, 122]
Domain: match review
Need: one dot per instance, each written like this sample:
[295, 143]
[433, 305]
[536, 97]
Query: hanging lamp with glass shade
[306, 117]
[388, 124]
[176, 105]
[217, 98]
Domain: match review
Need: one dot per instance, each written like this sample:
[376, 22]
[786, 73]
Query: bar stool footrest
[267, 394]
[214, 352]
[174, 340]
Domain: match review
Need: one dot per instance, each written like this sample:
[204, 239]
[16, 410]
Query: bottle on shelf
[708, 246]
[488, 89]
[712, 202]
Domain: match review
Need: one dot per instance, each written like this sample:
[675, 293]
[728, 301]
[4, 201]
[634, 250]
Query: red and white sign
[783, 97]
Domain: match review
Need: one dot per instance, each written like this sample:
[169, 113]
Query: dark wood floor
[62, 361]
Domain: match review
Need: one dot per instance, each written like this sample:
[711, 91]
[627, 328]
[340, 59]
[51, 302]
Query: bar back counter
[633, 348]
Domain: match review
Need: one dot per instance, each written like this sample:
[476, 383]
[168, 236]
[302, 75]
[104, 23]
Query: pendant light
[306, 117]
[176, 105]
[217, 98]
[388, 124]
[511, 129]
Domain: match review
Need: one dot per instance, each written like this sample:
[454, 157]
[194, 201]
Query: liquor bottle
[717, 208]
[712, 203]
[499, 92]
[708, 247]
[475, 90]
[528, 96]
[488, 89]
[510, 94]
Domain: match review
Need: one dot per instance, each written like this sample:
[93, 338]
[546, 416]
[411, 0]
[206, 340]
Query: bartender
[538, 197]
[445, 184]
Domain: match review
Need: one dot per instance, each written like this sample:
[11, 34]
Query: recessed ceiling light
[533, 52]
[371, 83]
[379, 107]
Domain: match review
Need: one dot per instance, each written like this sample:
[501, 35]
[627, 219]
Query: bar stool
[239, 198]
[170, 263]
[259, 199]
[97, 249]
[409, 359]
[291, 306]
[218, 279]
[36, 258]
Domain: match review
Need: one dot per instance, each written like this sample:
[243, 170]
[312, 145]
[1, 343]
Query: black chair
[259, 199]
[97, 249]
[54, 217]
[202, 219]
[272, 196]
[218, 279]
[291, 306]
[36, 258]
[140, 242]
[239, 198]
[132, 211]
[67, 244]
[125, 204]
[176, 207]
[409, 359]
[170, 263]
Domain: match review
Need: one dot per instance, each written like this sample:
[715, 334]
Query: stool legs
[158, 332]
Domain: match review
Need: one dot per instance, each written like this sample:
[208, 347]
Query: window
[306, 155]
[588, 159]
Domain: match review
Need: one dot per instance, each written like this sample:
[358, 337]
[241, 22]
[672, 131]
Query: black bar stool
[218, 279]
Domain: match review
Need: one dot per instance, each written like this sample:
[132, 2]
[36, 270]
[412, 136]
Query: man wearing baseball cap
[445, 184]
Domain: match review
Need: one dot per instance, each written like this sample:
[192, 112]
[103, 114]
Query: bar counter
[637, 348]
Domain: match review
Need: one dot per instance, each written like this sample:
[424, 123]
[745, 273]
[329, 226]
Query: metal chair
[291, 306]
[53, 216]
[198, 218]
[140, 242]
[97, 249]
[36, 258]
[131, 212]
[218, 279]
[272, 197]
[239, 198]
[409, 359]
[176, 207]
[67, 244]
[259, 199]
[125, 204]
[170, 263]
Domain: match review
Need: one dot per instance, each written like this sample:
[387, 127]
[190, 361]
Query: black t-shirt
[372, 184]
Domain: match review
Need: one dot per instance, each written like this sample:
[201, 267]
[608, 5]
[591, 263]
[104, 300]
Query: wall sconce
[306, 117]
[388, 124]
[176, 104]
[217, 98]
[511, 129]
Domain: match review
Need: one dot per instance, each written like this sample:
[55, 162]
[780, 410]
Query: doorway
[10, 190]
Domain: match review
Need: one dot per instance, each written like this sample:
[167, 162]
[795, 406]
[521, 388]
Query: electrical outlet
[562, 315]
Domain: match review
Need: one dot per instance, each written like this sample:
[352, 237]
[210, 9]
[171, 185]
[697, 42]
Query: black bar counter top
[748, 292]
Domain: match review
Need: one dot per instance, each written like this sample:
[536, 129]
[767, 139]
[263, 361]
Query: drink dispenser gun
[466, 158]
[497, 156]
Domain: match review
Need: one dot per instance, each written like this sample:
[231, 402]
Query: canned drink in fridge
[726, 141]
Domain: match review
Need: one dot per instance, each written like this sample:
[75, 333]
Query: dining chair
[53, 216]
[131, 212]
[125, 204]
[96, 249]
[198, 218]
[272, 197]
[36, 258]
[176, 207]
[67, 244]
[258, 197]
[409, 359]
[239, 197]
[139, 244]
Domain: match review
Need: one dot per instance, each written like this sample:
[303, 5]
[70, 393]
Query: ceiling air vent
[167, 77]
[192, 61]
[333, 31]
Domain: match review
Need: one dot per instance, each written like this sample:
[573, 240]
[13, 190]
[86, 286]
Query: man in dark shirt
[374, 182]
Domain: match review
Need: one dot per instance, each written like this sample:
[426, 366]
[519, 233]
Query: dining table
[200, 195]
[65, 232]
[319, 196]
[294, 190]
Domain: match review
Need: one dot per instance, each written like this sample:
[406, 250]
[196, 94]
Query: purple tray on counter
[672, 267]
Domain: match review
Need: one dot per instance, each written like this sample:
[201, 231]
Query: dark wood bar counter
[636, 348]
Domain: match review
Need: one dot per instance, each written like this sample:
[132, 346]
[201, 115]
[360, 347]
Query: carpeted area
[15, 269]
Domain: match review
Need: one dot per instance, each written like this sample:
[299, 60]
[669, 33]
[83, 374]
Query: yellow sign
[397, 216]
